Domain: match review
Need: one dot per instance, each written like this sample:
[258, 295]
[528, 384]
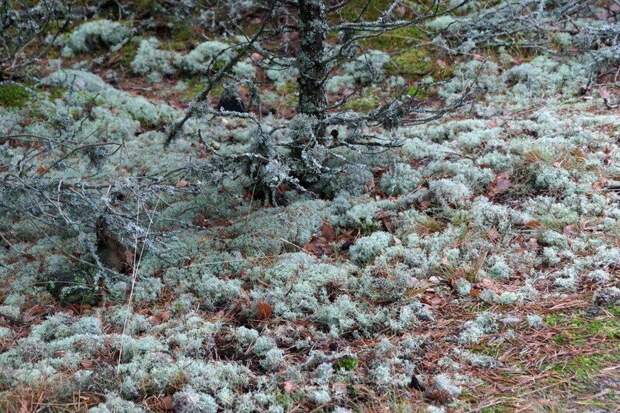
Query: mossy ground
[13, 95]
[570, 365]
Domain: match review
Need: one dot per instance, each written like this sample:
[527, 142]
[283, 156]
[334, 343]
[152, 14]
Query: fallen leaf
[532, 244]
[263, 310]
[570, 230]
[87, 364]
[533, 224]
[182, 184]
[165, 315]
[500, 184]
[167, 402]
[328, 232]
[289, 387]
[604, 93]
[599, 184]
[317, 247]
[493, 235]
[490, 284]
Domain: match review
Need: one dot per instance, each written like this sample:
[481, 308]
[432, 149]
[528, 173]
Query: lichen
[367, 248]
[90, 35]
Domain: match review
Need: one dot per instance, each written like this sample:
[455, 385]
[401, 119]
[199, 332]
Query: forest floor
[473, 268]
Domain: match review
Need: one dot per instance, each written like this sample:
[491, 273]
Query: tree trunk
[312, 70]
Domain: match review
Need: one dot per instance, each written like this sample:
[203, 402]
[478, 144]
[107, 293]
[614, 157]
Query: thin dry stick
[6, 240]
[134, 274]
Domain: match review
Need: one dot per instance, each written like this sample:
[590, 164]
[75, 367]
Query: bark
[310, 60]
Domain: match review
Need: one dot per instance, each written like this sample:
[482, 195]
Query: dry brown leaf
[87, 364]
[493, 235]
[165, 315]
[500, 184]
[167, 403]
[263, 310]
[289, 387]
[533, 224]
[532, 244]
[328, 232]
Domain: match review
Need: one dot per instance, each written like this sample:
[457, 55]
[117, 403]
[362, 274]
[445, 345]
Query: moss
[127, 53]
[348, 363]
[577, 328]
[13, 95]
[417, 91]
[363, 104]
[398, 39]
[147, 6]
[496, 409]
[56, 92]
[183, 32]
[585, 367]
[411, 64]
[195, 85]
[373, 10]
[286, 400]
[287, 88]
[73, 288]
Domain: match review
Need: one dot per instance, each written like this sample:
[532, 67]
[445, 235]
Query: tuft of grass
[13, 95]
[182, 36]
[288, 88]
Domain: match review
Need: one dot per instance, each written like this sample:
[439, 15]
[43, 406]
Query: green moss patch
[585, 368]
[347, 363]
[13, 95]
[410, 64]
[577, 328]
[364, 9]
[363, 104]
[127, 53]
[396, 40]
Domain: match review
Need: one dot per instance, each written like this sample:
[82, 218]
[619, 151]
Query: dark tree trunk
[312, 69]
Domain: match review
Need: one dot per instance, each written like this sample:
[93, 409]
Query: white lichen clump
[93, 34]
[367, 248]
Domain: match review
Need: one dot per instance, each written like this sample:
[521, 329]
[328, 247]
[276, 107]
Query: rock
[606, 296]
[72, 288]
[230, 101]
